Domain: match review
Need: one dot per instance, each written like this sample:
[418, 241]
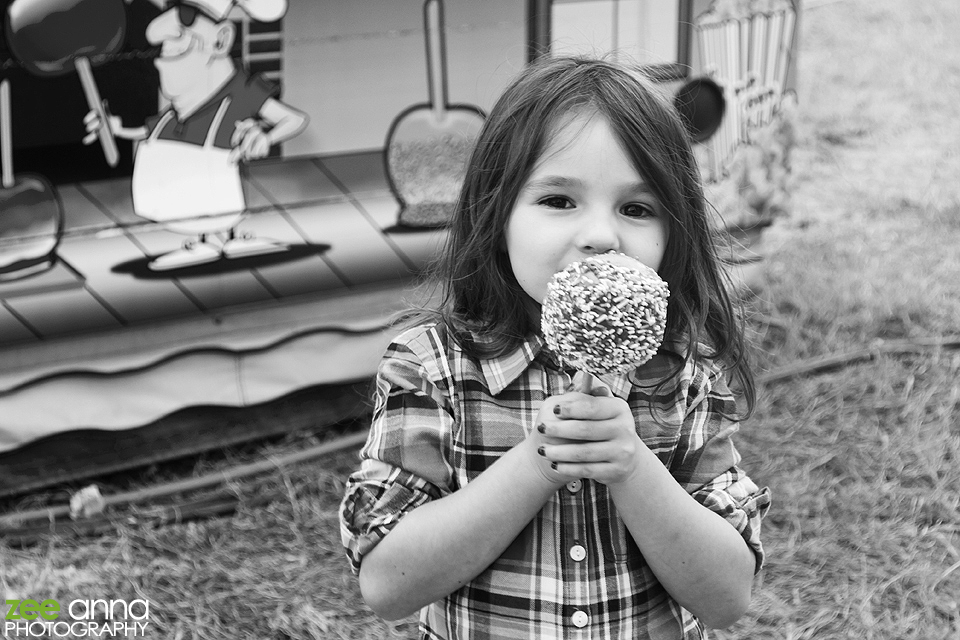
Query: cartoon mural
[56, 37]
[32, 219]
[186, 170]
[44, 38]
[747, 50]
[297, 255]
[428, 144]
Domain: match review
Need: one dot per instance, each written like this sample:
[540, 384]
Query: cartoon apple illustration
[56, 37]
[31, 215]
[428, 144]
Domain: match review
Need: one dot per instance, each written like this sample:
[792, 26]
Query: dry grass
[863, 539]
[275, 569]
[864, 535]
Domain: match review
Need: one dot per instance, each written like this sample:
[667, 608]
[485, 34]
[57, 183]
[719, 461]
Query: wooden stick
[192, 484]
[6, 135]
[96, 103]
[825, 363]
[436, 56]
[587, 383]
[210, 506]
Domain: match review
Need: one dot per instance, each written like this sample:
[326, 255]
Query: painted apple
[31, 223]
[55, 37]
[48, 36]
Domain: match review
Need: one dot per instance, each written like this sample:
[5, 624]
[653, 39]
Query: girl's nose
[164, 27]
[598, 234]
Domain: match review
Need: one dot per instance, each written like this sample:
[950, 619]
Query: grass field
[863, 460]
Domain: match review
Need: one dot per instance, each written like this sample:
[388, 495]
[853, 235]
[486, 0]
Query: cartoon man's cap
[261, 10]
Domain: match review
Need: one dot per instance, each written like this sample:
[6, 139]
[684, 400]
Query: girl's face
[582, 198]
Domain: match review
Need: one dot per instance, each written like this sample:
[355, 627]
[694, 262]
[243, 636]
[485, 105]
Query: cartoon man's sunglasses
[187, 12]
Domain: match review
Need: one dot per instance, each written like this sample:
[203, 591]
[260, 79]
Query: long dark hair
[480, 293]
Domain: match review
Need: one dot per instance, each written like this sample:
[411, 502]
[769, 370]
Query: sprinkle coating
[605, 314]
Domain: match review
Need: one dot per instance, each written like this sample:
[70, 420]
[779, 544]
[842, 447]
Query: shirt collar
[499, 372]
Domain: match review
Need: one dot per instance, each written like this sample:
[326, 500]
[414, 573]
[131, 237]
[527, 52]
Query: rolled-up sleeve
[405, 461]
[706, 460]
[736, 498]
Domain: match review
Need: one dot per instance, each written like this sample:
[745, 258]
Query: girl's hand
[589, 436]
[536, 443]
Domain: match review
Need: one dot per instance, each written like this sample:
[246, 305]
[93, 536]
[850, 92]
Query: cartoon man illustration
[186, 167]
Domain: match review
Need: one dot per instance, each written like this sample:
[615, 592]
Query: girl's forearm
[699, 558]
[442, 545]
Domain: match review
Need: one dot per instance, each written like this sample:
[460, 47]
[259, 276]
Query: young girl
[494, 498]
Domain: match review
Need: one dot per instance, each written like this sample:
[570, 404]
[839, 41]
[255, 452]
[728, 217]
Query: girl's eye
[638, 210]
[556, 202]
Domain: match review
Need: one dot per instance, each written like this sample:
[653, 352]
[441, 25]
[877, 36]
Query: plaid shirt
[441, 418]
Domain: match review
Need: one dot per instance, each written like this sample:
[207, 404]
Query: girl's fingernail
[542, 428]
[556, 409]
[541, 451]
[553, 465]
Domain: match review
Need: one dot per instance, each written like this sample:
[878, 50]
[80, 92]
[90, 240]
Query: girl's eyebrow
[562, 182]
[552, 182]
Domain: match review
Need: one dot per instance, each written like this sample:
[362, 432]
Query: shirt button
[580, 619]
[574, 486]
[578, 553]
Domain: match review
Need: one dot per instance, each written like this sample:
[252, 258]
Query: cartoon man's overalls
[192, 189]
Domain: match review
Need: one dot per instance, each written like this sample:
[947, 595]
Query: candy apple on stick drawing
[55, 37]
[31, 216]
